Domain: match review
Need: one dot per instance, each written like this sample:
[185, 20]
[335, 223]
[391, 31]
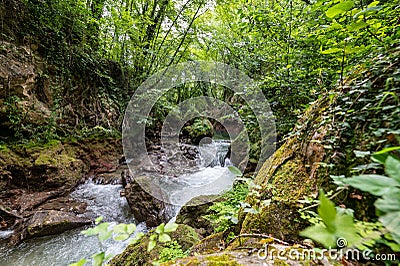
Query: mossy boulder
[225, 259]
[137, 254]
[210, 244]
[323, 144]
[193, 212]
[40, 167]
[56, 164]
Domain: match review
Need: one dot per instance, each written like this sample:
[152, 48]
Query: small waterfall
[212, 178]
[214, 153]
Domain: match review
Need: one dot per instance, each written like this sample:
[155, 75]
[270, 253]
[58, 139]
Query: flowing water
[211, 177]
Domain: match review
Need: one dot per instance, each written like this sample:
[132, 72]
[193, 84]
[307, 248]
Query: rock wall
[25, 95]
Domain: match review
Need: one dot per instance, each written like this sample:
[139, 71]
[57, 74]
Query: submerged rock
[44, 223]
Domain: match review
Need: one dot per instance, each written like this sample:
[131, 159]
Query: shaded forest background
[90, 56]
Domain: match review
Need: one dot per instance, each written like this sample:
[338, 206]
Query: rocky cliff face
[25, 95]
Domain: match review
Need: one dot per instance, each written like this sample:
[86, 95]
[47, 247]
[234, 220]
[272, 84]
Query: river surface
[210, 177]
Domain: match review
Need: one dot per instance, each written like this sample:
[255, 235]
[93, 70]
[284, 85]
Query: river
[105, 200]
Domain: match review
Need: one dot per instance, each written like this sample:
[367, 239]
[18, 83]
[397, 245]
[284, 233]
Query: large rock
[144, 206]
[193, 212]
[56, 164]
[137, 255]
[41, 167]
[44, 223]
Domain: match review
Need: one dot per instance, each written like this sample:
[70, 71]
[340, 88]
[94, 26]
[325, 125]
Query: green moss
[208, 244]
[33, 145]
[219, 260]
[45, 159]
[4, 148]
[288, 175]
[137, 254]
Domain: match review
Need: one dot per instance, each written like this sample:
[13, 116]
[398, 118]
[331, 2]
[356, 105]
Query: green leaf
[377, 185]
[164, 238]
[391, 221]
[90, 232]
[392, 168]
[151, 246]
[103, 227]
[104, 235]
[361, 154]
[136, 238]
[345, 229]
[379, 158]
[389, 202]
[109, 256]
[98, 258]
[357, 25]
[320, 234]
[382, 155]
[367, 10]
[170, 227]
[386, 150]
[160, 228]
[339, 9]
[131, 228]
[121, 237]
[98, 219]
[120, 228]
[234, 170]
[79, 263]
[327, 211]
[332, 51]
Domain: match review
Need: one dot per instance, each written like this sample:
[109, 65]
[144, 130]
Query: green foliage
[333, 227]
[171, 251]
[79, 263]
[200, 128]
[14, 114]
[387, 188]
[98, 131]
[337, 225]
[18, 121]
[161, 235]
[234, 170]
[105, 231]
[224, 214]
